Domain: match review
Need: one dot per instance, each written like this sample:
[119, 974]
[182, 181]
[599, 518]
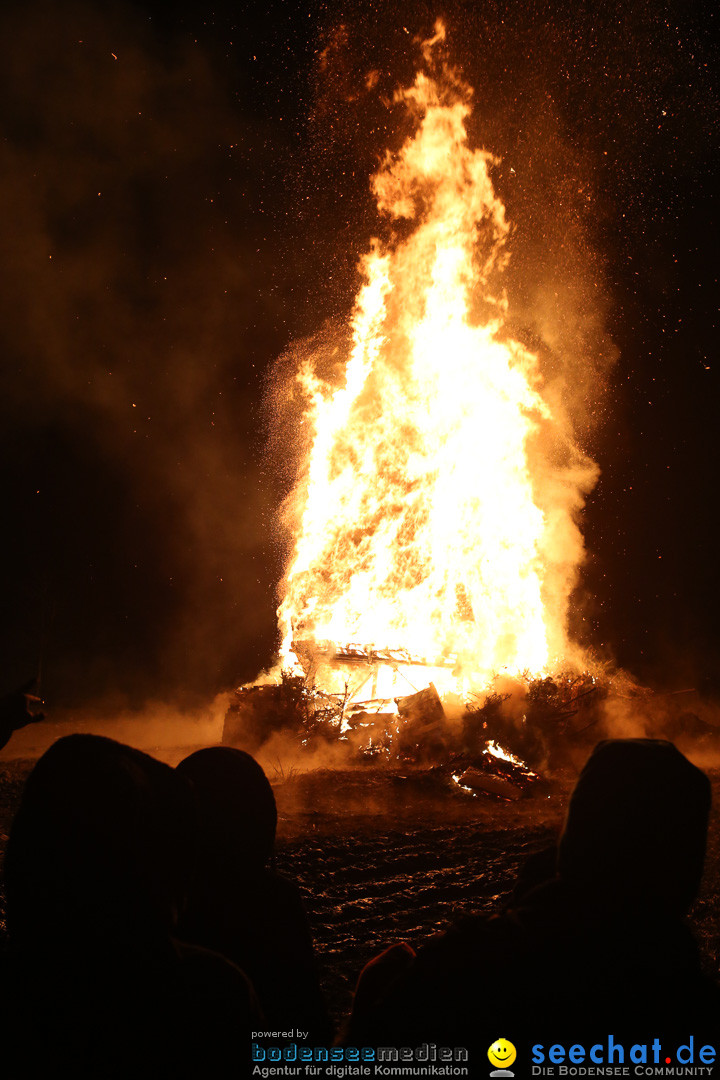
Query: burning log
[497, 772]
[474, 780]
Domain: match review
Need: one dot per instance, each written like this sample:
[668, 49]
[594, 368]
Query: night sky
[185, 192]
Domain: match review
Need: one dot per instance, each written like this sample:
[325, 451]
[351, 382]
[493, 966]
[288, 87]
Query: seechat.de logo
[502, 1054]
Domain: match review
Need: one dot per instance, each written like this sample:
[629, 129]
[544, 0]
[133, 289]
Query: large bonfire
[434, 521]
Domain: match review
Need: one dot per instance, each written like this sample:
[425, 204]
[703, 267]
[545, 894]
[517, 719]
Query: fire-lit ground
[384, 855]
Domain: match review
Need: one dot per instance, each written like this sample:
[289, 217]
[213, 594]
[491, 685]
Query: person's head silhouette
[235, 804]
[98, 843]
[636, 828]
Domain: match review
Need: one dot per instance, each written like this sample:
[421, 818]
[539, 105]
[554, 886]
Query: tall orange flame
[437, 509]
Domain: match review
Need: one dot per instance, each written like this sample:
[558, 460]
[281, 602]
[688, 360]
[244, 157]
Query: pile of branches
[256, 712]
[540, 728]
[556, 714]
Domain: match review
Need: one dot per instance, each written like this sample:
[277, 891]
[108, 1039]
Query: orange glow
[497, 751]
[436, 512]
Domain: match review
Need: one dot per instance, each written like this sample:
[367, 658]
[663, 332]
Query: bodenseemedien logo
[502, 1054]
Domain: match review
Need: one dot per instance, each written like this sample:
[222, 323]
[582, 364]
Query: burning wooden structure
[439, 484]
[490, 744]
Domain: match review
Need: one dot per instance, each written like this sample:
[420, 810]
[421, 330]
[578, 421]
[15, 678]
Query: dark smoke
[137, 308]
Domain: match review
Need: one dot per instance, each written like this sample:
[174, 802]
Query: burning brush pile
[434, 517]
[491, 744]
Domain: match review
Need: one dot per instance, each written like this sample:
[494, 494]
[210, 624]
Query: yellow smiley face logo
[502, 1054]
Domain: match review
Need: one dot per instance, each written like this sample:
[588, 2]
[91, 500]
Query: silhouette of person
[95, 873]
[238, 905]
[17, 710]
[599, 947]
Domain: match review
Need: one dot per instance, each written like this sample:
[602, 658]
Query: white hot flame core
[497, 751]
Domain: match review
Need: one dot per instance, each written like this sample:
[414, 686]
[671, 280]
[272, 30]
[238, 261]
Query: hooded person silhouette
[238, 905]
[600, 946]
[95, 871]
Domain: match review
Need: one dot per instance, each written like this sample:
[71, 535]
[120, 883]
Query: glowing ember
[504, 755]
[435, 519]
[468, 790]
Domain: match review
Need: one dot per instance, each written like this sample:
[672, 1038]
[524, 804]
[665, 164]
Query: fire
[436, 511]
[497, 751]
